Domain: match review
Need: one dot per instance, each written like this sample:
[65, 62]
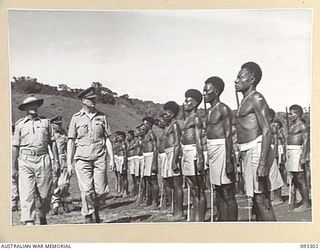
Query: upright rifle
[290, 180]
[188, 207]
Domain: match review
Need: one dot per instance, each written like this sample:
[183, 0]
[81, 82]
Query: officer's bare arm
[110, 151]
[15, 154]
[70, 152]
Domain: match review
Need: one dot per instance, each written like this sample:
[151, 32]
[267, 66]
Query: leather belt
[33, 152]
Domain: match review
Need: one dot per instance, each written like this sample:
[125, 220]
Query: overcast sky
[158, 55]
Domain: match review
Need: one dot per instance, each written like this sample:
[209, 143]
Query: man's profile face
[146, 125]
[162, 121]
[209, 93]
[293, 115]
[90, 102]
[190, 104]
[168, 115]
[244, 80]
[129, 137]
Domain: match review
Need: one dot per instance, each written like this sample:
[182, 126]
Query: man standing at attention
[296, 161]
[274, 173]
[150, 154]
[192, 154]
[254, 138]
[31, 140]
[122, 162]
[88, 146]
[133, 161]
[172, 149]
[166, 187]
[221, 165]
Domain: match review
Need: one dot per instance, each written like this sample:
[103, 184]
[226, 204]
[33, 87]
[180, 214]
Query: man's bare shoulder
[224, 109]
[257, 98]
[302, 126]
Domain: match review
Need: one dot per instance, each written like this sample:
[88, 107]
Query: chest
[214, 116]
[34, 127]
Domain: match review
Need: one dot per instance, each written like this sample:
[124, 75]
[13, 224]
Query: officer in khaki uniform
[31, 140]
[60, 178]
[88, 146]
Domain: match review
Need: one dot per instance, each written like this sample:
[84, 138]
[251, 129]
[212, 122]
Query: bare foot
[276, 202]
[302, 208]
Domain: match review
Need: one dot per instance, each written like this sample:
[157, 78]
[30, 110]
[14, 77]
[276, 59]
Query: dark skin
[149, 144]
[274, 141]
[167, 185]
[122, 151]
[252, 121]
[172, 139]
[219, 126]
[298, 135]
[192, 134]
[142, 182]
[133, 150]
[116, 146]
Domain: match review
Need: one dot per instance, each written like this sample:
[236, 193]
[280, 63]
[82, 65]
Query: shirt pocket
[82, 130]
[43, 133]
[25, 136]
[98, 130]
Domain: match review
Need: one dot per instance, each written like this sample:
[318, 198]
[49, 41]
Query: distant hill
[123, 112]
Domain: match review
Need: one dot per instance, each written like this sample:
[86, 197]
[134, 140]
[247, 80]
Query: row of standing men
[178, 155]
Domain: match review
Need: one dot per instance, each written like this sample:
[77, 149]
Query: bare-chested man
[116, 145]
[122, 167]
[221, 165]
[150, 154]
[172, 148]
[282, 150]
[142, 185]
[166, 188]
[297, 152]
[254, 138]
[277, 199]
[192, 154]
[133, 161]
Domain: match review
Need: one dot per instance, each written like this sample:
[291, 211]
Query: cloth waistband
[120, 157]
[251, 144]
[211, 142]
[148, 154]
[133, 157]
[188, 147]
[168, 150]
[162, 154]
[33, 152]
[294, 147]
[140, 157]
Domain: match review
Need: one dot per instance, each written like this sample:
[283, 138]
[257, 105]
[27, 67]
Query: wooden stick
[237, 97]
[188, 209]
[161, 196]
[290, 190]
[249, 208]
[211, 190]
[172, 203]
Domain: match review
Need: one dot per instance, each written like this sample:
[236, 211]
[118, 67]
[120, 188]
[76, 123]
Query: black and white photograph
[160, 116]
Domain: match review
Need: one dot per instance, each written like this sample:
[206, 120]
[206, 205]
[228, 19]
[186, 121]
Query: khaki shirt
[90, 134]
[34, 134]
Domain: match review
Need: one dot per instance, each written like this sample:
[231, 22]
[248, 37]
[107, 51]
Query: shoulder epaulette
[20, 120]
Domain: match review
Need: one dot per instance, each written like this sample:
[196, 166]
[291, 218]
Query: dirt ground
[125, 210]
